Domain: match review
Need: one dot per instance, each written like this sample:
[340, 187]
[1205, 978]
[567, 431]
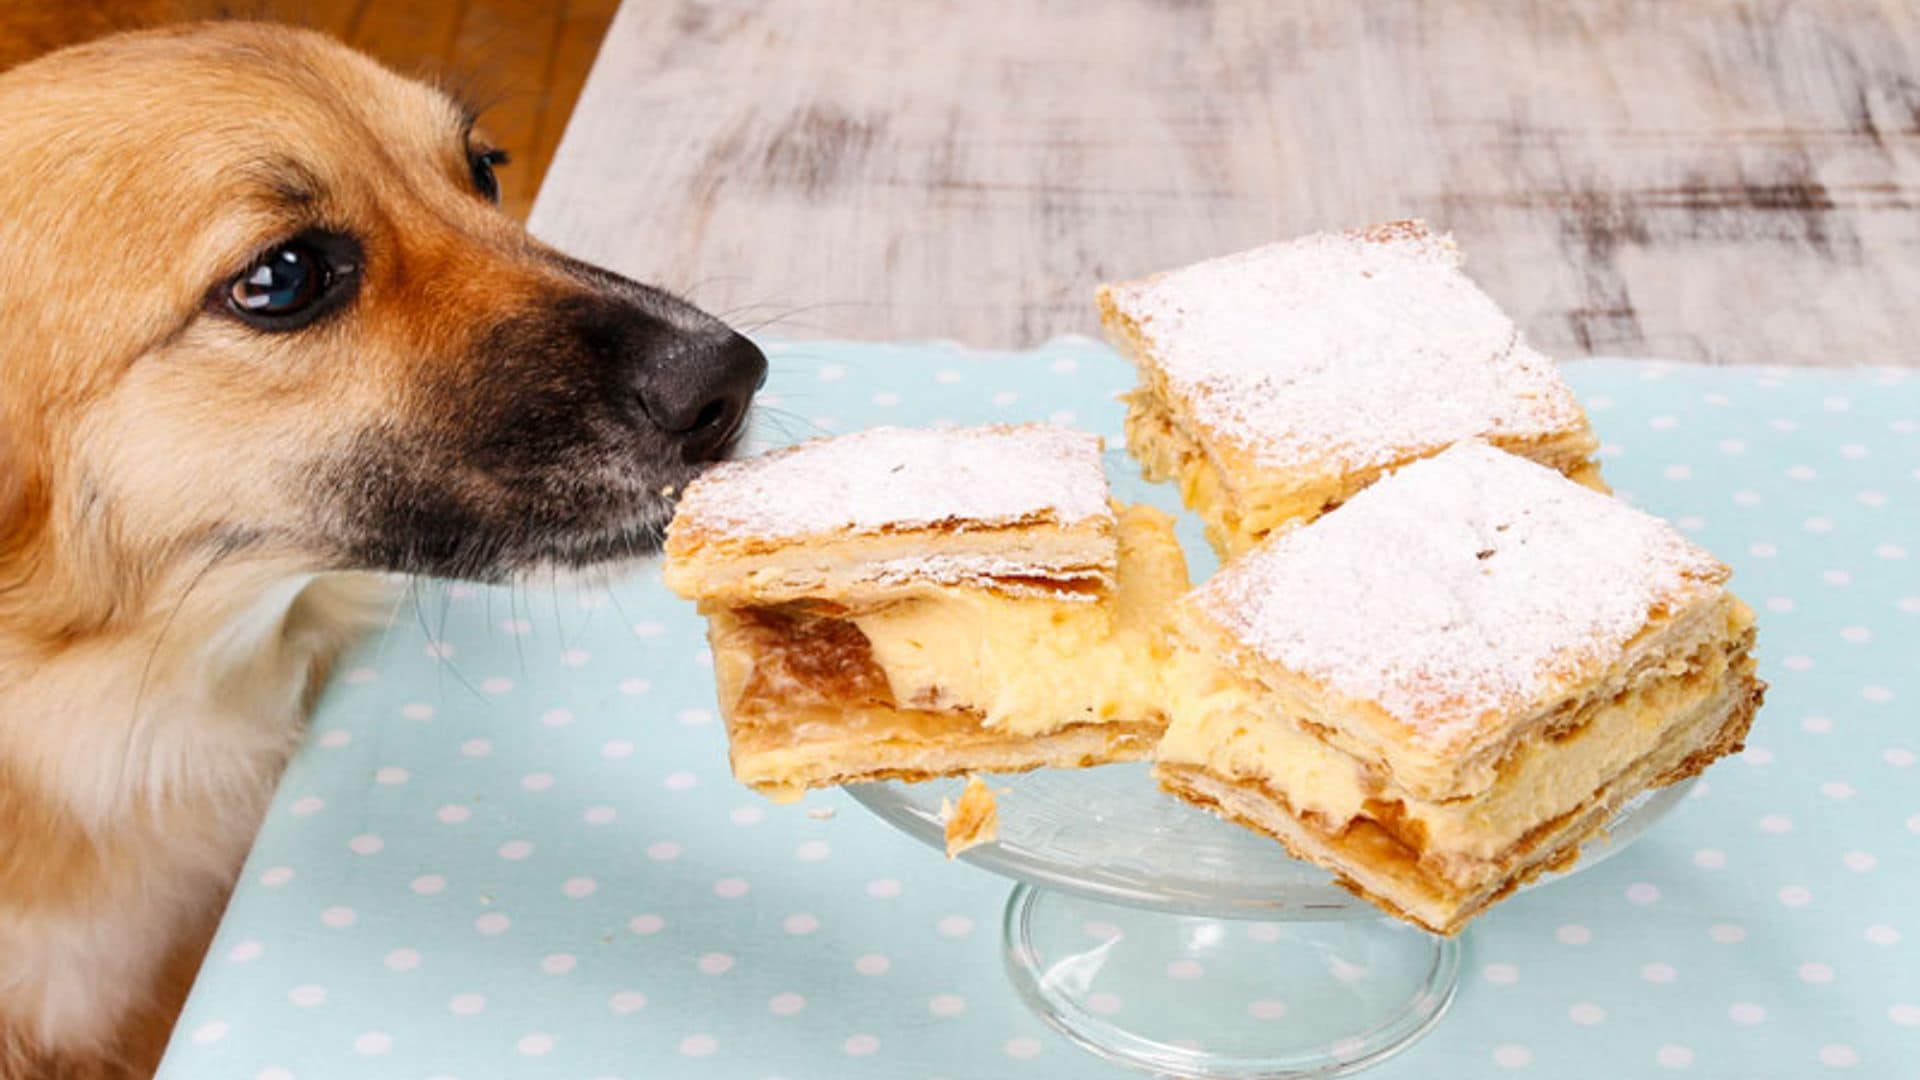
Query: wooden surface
[1702, 179]
[524, 60]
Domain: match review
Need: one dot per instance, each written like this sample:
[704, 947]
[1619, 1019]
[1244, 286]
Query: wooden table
[1704, 180]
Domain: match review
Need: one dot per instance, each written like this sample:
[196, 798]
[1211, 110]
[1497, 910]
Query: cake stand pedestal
[1167, 941]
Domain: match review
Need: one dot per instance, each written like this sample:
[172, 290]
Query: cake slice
[1276, 383]
[1443, 688]
[908, 604]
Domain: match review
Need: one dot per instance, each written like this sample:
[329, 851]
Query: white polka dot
[872, 964]
[1746, 1013]
[1663, 423]
[786, 1004]
[1879, 695]
[1501, 974]
[1816, 725]
[1836, 577]
[1676, 472]
[1890, 551]
[1776, 823]
[1023, 1048]
[335, 739]
[275, 876]
[338, 917]
[492, 924]
[274, 1072]
[1854, 451]
[558, 963]
[1185, 970]
[1796, 895]
[366, 844]
[245, 951]
[579, 888]
[649, 629]
[496, 684]
[536, 1044]
[440, 650]
[860, 1045]
[1797, 662]
[1906, 1014]
[211, 1032]
[883, 888]
[1838, 790]
[555, 718]
[832, 372]
[539, 781]
[391, 775]
[1815, 972]
[1586, 1014]
[800, 924]
[627, 1001]
[695, 717]
[646, 924]
[453, 814]
[947, 1005]
[1512, 1056]
[1752, 498]
[401, 960]
[467, 1004]
[373, 1043]
[1267, 1009]
[1673, 1057]
[746, 815]
[1801, 472]
[715, 964]
[634, 687]
[698, 1045]
[954, 926]
[1104, 1002]
[1898, 756]
[1839, 1056]
[515, 850]
[1573, 934]
[308, 805]
[1727, 933]
[947, 377]
[516, 627]
[1859, 861]
[730, 888]
[1643, 892]
[476, 748]
[1658, 972]
[1882, 934]
[575, 657]
[362, 675]
[1780, 604]
[599, 815]
[616, 748]
[663, 851]
[1733, 446]
[886, 399]
[1710, 858]
[1005, 398]
[812, 851]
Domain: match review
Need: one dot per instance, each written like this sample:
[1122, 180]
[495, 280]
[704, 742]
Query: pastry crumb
[974, 820]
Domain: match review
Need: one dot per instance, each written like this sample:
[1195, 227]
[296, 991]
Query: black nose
[698, 388]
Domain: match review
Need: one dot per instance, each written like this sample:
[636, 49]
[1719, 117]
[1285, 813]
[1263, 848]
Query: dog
[265, 342]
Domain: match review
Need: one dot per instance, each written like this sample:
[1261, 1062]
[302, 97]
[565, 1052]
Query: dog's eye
[291, 285]
[484, 180]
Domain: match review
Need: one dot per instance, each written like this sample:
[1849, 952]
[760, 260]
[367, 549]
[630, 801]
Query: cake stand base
[1198, 997]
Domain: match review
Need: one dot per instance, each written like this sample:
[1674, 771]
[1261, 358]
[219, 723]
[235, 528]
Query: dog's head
[255, 296]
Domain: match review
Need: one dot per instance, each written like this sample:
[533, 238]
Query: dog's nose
[699, 387]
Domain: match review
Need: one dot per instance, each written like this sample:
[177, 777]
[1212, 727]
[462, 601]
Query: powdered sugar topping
[1345, 350]
[1460, 588]
[893, 478]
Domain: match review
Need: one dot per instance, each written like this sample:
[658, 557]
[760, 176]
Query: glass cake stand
[1163, 939]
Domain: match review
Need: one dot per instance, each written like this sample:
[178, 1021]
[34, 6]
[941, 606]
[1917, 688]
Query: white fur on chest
[165, 748]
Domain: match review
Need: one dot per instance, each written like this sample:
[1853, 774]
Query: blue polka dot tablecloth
[510, 846]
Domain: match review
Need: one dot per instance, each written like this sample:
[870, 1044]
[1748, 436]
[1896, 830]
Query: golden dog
[263, 340]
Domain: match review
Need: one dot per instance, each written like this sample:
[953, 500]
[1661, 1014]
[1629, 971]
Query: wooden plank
[583, 24]
[1720, 181]
[414, 39]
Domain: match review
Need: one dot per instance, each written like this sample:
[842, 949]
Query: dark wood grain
[1708, 181]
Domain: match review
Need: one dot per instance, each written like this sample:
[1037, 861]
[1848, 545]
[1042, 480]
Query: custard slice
[1278, 382]
[906, 604]
[1443, 688]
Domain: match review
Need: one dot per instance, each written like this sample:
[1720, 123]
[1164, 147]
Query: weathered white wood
[1706, 180]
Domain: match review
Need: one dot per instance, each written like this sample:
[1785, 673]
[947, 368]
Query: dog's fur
[193, 510]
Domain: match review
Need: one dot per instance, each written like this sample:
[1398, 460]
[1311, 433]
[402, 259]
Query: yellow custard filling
[1030, 665]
